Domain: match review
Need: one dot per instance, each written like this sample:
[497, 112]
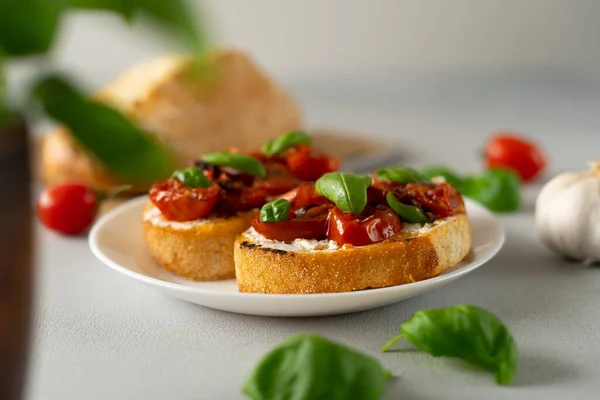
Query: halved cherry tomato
[275, 186]
[377, 191]
[304, 195]
[516, 153]
[311, 224]
[442, 200]
[244, 199]
[377, 223]
[307, 165]
[68, 208]
[178, 202]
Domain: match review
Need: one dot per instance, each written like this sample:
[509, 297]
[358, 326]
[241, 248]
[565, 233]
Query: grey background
[99, 335]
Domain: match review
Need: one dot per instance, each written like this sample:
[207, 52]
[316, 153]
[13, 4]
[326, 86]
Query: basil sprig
[406, 212]
[400, 175]
[307, 367]
[497, 189]
[466, 332]
[192, 177]
[238, 161]
[284, 142]
[275, 211]
[347, 191]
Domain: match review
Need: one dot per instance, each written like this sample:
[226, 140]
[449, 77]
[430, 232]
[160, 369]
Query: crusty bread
[201, 252]
[406, 258]
[242, 108]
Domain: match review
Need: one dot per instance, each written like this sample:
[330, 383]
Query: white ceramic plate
[116, 239]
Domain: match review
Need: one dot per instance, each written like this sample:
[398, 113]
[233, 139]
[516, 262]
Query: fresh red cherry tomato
[69, 208]
[379, 224]
[307, 165]
[178, 202]
[516, 153]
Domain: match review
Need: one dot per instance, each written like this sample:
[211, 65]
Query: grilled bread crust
[406, 258]
[201, 252]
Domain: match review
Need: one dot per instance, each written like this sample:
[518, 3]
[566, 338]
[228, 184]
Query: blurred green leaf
[123, 7]
[3, 100]
[114, 139]
[28, 26]
[177, 18]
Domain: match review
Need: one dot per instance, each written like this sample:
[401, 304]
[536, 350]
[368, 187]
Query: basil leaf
[347, 191]
[435, 171]
[239, 161]
[400, 175]
[406, 212]
[497, 189]
[28, 27]
[466, 332]
[192, 177]
[284, 142]
[108, 134]
[309, 367]
[176, 18]
[275, 211]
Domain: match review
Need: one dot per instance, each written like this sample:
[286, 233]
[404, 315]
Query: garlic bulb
[568, 214]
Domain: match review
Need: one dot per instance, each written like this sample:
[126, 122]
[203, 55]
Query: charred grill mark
[249, 245]
[277, 251]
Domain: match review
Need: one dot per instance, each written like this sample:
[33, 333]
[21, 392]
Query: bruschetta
[192, 219]
[351, 232]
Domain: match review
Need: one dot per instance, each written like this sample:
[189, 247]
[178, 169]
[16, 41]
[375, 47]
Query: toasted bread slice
[199, 250]
[242, 107]
[266, 266]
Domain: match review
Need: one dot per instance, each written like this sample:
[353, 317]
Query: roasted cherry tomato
[376, 224]
[243, 199]
[311, 223]
[178, 202]
[307, 165]
[304, 195]
[274, 186]
[69, 208]
[441, 200]
[516, 153]
[377, 191]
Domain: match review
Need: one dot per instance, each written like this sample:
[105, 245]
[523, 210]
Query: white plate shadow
[116, 239]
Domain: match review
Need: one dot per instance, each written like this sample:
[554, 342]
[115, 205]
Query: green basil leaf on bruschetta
[192, 177]
[400, 175]
[284, 142]
[275, 211]
[307, 367]
[467, 332]
[406, 212]
[237, 161]
[347, 191]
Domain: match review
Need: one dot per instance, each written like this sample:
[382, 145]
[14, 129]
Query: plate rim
[134, 202]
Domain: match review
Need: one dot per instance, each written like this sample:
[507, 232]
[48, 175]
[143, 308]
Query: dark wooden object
[16, 259]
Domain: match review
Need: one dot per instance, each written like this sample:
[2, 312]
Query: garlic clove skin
[568, 214]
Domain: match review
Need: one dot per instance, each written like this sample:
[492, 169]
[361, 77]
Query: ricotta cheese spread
[154, 216]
